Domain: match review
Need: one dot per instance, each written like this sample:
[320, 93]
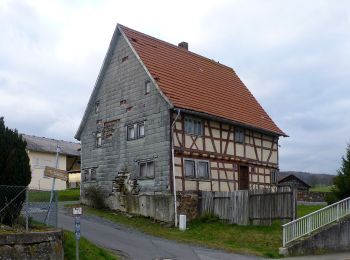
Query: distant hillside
[312, 179]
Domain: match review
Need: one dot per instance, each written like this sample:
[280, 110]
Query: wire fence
[20, 206]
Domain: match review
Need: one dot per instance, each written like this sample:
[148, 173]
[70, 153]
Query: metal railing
[315, 220]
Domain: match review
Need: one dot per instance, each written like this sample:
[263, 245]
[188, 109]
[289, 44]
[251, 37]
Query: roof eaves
[224, 120]
[119, 26]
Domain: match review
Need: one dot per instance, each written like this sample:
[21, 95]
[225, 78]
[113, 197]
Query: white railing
[315, 220]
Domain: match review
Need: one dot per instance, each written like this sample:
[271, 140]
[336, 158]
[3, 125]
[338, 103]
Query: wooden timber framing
[217, 145]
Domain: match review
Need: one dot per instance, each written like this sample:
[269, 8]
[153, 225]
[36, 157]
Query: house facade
[42, 153]
[160, 113]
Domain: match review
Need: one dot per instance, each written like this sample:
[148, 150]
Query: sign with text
[55, 173]
[77, 211]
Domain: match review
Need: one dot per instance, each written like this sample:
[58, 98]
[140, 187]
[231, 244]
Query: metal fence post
[26, 209]
[56, 215]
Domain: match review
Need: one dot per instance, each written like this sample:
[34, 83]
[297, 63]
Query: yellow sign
[55, 173]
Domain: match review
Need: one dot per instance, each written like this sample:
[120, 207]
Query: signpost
[77, 212]
[58, 150]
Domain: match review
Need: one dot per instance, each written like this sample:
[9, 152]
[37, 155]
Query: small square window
[189, 168]
[131, 132]
[97, 107]
[147, 87]
[98, 139]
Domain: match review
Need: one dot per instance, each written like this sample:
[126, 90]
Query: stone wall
[311, 196]
[188, 204]
[332, 238]
[34, 245]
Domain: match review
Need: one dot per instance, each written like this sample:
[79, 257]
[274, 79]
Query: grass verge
[87, 250]
[303, 210]
[322, 188]
[63, 195]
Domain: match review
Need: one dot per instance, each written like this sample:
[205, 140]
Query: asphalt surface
[136, 245]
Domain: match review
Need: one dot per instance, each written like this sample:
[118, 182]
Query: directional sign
[55, 173]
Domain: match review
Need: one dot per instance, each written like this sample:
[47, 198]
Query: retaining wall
[34, 245]
[332, 238]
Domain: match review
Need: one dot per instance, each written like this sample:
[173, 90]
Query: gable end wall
[126, 81]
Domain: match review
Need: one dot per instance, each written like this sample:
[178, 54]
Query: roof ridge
[178, 48]
[48, 138]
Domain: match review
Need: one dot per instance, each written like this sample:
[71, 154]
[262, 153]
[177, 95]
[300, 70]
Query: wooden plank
[55, 173]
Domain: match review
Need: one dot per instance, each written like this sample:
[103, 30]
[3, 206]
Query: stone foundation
[34, 245]
[159, 207]
[188, 205]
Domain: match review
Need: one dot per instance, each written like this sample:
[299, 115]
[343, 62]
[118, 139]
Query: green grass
[322, 188]
[87, 250]
[303, 210]
[63, 195]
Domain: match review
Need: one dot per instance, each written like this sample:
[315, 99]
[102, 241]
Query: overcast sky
[293, 55]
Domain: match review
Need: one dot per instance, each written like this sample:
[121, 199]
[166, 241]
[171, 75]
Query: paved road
[140, 246]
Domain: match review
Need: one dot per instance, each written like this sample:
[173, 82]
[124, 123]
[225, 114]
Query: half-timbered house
[162, 119]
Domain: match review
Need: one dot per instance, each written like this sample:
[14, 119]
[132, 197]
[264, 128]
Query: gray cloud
[293, 55]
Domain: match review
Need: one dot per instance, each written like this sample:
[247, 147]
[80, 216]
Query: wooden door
[243, 178]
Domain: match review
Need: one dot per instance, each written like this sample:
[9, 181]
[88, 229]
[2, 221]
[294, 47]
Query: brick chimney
[183, 45]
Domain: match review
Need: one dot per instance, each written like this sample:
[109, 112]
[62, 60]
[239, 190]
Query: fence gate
[276, 203]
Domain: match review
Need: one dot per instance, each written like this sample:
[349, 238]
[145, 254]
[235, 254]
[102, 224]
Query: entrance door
[243, 177]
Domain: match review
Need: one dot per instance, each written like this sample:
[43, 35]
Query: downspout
[173, 162]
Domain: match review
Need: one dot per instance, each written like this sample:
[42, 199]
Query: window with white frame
[98, 139]
[146, 169]
[196, 169]
[193, 126]
[239, 135]
[135, 131]
[147, 87]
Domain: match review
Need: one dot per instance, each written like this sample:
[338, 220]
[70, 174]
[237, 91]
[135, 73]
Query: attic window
[125, 58]
[133, 39]
[97, 107]
[147, 87]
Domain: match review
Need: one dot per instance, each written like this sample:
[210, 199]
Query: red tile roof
[193, 82]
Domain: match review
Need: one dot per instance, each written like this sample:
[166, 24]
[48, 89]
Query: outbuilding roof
[196, 83]
[43, 144]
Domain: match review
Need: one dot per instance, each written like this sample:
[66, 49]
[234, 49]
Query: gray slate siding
[126, 81]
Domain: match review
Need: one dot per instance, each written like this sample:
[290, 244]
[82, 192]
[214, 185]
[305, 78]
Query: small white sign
[77, 211]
